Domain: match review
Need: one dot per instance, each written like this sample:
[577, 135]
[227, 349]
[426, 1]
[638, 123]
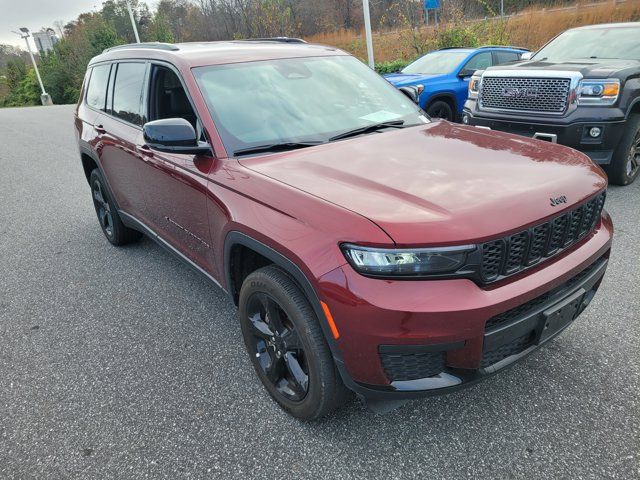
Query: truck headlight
[474, 86]
[598, 92]
[405, 262]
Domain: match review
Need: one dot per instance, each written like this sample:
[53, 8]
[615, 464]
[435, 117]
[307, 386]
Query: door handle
[100, 128]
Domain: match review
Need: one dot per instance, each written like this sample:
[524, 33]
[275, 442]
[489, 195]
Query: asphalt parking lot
[123, 363]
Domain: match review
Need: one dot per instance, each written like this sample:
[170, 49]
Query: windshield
[436, 63]
[622, 43]
[299, 100]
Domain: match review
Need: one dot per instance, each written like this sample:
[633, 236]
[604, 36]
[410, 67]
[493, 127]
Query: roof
[195, 54]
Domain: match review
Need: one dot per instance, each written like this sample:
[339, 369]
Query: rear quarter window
[97, 89]
[506, 57]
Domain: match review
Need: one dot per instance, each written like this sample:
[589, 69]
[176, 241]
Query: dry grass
[531, 28]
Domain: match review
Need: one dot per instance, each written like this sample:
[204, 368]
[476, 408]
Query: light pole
[367, 32]
[133, 22]
[45, 98]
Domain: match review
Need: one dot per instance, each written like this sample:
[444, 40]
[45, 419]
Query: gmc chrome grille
[542, 95]
[509, 255]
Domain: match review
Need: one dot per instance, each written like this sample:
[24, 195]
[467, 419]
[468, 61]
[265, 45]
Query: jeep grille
[541, 95]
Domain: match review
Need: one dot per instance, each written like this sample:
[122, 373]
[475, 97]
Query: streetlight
[133, 22]
[367, 32]
[45, 98]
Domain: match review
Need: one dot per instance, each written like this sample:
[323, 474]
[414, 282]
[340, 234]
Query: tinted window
[505, 57]
[97, 90]
[127, 92]
[479, 62]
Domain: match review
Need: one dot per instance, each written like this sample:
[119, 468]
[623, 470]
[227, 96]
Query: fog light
[465, 119]
[594, 132]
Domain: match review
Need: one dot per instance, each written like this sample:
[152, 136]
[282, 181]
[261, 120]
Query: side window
[505, 57]
[97, 90]
[167, 97]
[479, 62]
[127, 92]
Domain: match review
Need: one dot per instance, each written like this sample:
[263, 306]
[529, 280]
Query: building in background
[45, 39]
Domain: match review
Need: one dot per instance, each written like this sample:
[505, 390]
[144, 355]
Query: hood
[440, 183]
[404, 79]
[589, 68]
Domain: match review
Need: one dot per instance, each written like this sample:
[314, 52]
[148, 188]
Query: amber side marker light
[332, 324]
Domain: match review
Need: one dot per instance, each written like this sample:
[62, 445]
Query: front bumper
[453, 331]
[571, 131]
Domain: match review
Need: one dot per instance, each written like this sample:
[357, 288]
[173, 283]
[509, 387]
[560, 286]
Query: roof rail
[505, 46]
[149, 45]
[487, 46]
[273, 39]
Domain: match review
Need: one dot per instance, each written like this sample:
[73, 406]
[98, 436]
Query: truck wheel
[440, 109]
[625, 163]
[107, 213]
[286, 345]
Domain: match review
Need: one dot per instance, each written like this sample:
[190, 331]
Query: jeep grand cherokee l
[582, 89]
[366, 247]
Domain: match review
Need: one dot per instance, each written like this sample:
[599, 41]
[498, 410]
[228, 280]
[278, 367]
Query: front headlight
[405, 262]
[474, 86]
[598, 92]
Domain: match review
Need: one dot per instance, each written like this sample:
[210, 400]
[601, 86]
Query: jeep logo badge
[515, 92]
[558, 200]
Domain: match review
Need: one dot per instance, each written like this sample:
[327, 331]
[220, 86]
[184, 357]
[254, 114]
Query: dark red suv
[367, 248]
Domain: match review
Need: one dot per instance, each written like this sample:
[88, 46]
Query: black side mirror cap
[173, 135]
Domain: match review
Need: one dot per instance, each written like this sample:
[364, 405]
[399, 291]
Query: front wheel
[440, 109]
[286, 345]
[625, 164]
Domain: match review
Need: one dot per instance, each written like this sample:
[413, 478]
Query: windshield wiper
[369, 128]
[276, 147]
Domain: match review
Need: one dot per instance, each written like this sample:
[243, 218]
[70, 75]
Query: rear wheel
[112, 227]
[440, 109]
[625, 164]
[286, 345]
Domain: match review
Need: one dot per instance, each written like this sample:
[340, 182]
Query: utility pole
[367, 32]
[45, 98]
[133, 22]
[502, 8]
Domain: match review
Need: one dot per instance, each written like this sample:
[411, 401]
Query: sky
[35, 14]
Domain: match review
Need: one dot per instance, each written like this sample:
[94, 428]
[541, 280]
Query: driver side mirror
[413, 92]
[465, 73]
[173, 135]
[526, 56]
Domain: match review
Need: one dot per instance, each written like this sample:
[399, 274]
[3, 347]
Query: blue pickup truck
[445, 75]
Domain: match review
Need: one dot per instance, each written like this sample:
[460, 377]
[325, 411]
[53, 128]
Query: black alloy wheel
[625, 163]
[287, 347]
[440, 109]
[277, 347]
[633, 160]
[103, 209]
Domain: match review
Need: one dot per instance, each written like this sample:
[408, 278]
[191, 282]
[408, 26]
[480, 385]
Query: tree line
[63, 68]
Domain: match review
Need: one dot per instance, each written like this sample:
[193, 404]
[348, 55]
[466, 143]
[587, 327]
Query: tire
[625, 164]
[286, 345]
[440, 109]
[112, 227]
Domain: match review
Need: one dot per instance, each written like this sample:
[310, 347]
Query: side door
[480, 61]
[175, 185]
[120, 127]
